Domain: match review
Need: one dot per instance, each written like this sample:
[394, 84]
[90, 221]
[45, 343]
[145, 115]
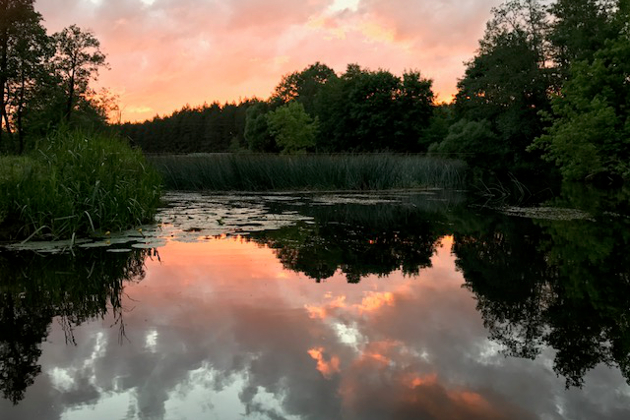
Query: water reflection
[558, 283]
[358, 240]
[72, 288]
[236, 326]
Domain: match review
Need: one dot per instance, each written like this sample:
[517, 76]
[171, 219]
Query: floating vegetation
[361, 199]
[194, 217]
[546, 213]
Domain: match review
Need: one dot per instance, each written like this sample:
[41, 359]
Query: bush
[76, 184]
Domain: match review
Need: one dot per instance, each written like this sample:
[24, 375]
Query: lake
[400, 305]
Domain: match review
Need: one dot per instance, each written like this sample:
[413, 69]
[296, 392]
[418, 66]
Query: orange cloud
[169, 53]
[375, 300]
[326, 368]
[321, 312]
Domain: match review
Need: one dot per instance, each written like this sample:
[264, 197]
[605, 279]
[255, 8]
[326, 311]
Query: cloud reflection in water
[235, 334]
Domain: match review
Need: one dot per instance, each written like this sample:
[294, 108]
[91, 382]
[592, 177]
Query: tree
[472, 141]
[293, 129]
[30, 53]
[438, 126]
[579, 29]
[303, 86]
[416, 103]
[367, 110]
[590, 134]
[77, 61]
[257, 134]
[506, 84]
[18, 21]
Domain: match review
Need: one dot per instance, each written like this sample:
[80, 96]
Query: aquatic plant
[266, 172]
[75, 184]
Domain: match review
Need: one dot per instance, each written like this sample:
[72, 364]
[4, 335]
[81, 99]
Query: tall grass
[76, 184]
[241, 172]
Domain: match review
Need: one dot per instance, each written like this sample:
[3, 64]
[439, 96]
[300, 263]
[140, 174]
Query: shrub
[76, 184]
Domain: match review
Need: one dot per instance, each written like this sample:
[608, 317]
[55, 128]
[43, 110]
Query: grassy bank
[241, 172]
[75, 184]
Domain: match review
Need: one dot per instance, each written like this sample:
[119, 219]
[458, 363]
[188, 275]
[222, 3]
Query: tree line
[548, 83]
[213, 128]
[44, 79]
[313, 110]
[548, 87]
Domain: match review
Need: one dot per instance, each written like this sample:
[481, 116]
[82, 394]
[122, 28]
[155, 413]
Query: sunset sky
[164, 54]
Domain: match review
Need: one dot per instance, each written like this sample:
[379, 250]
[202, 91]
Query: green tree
[77, 61]
[506, 84]
[579, 29]
[438, 126]
[590, 134]
[294, 130]
[20, 35]
[257, 134]
[472, 141]
[416, 104]
[32, 50]
[367, 110]
[303, 86]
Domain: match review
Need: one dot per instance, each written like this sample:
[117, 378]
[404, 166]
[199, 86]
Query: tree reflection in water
[563, 284]
[358, 240]
[558, 283]
[538, 282]
[35, 289]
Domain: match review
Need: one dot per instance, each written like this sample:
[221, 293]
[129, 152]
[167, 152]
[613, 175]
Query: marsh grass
[243, 172]
[76, 184]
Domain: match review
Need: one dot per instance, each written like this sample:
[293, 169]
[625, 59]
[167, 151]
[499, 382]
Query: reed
[76, 184]
[248, 172]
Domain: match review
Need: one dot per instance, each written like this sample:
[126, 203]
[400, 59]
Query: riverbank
[76, 184]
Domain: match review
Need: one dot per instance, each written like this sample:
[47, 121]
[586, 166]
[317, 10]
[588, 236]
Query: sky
[164, 54]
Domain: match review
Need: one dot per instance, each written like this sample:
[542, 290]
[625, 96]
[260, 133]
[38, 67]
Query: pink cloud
[168, 53]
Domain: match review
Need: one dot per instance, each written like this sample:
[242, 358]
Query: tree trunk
[20, 111]
[6, 121]
[69, 104]
[4, 46]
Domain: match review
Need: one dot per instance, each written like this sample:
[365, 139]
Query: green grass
[76, 184]
[242, 172]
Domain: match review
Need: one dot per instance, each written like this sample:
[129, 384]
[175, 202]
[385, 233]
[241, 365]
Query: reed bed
[248, 172]
[76, 184]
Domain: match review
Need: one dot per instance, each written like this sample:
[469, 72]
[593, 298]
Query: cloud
[166, 53]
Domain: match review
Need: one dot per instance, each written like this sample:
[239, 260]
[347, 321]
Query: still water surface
[399, 306]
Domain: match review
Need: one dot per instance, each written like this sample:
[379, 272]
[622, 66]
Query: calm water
[399, 306]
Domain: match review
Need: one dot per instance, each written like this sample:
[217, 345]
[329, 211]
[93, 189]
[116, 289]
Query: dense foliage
[44, 80]
[310, 110]
[557, 77]
[76, 185]
[209, 128]
[549, 84]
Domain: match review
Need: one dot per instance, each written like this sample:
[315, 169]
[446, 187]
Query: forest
[547, 91]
